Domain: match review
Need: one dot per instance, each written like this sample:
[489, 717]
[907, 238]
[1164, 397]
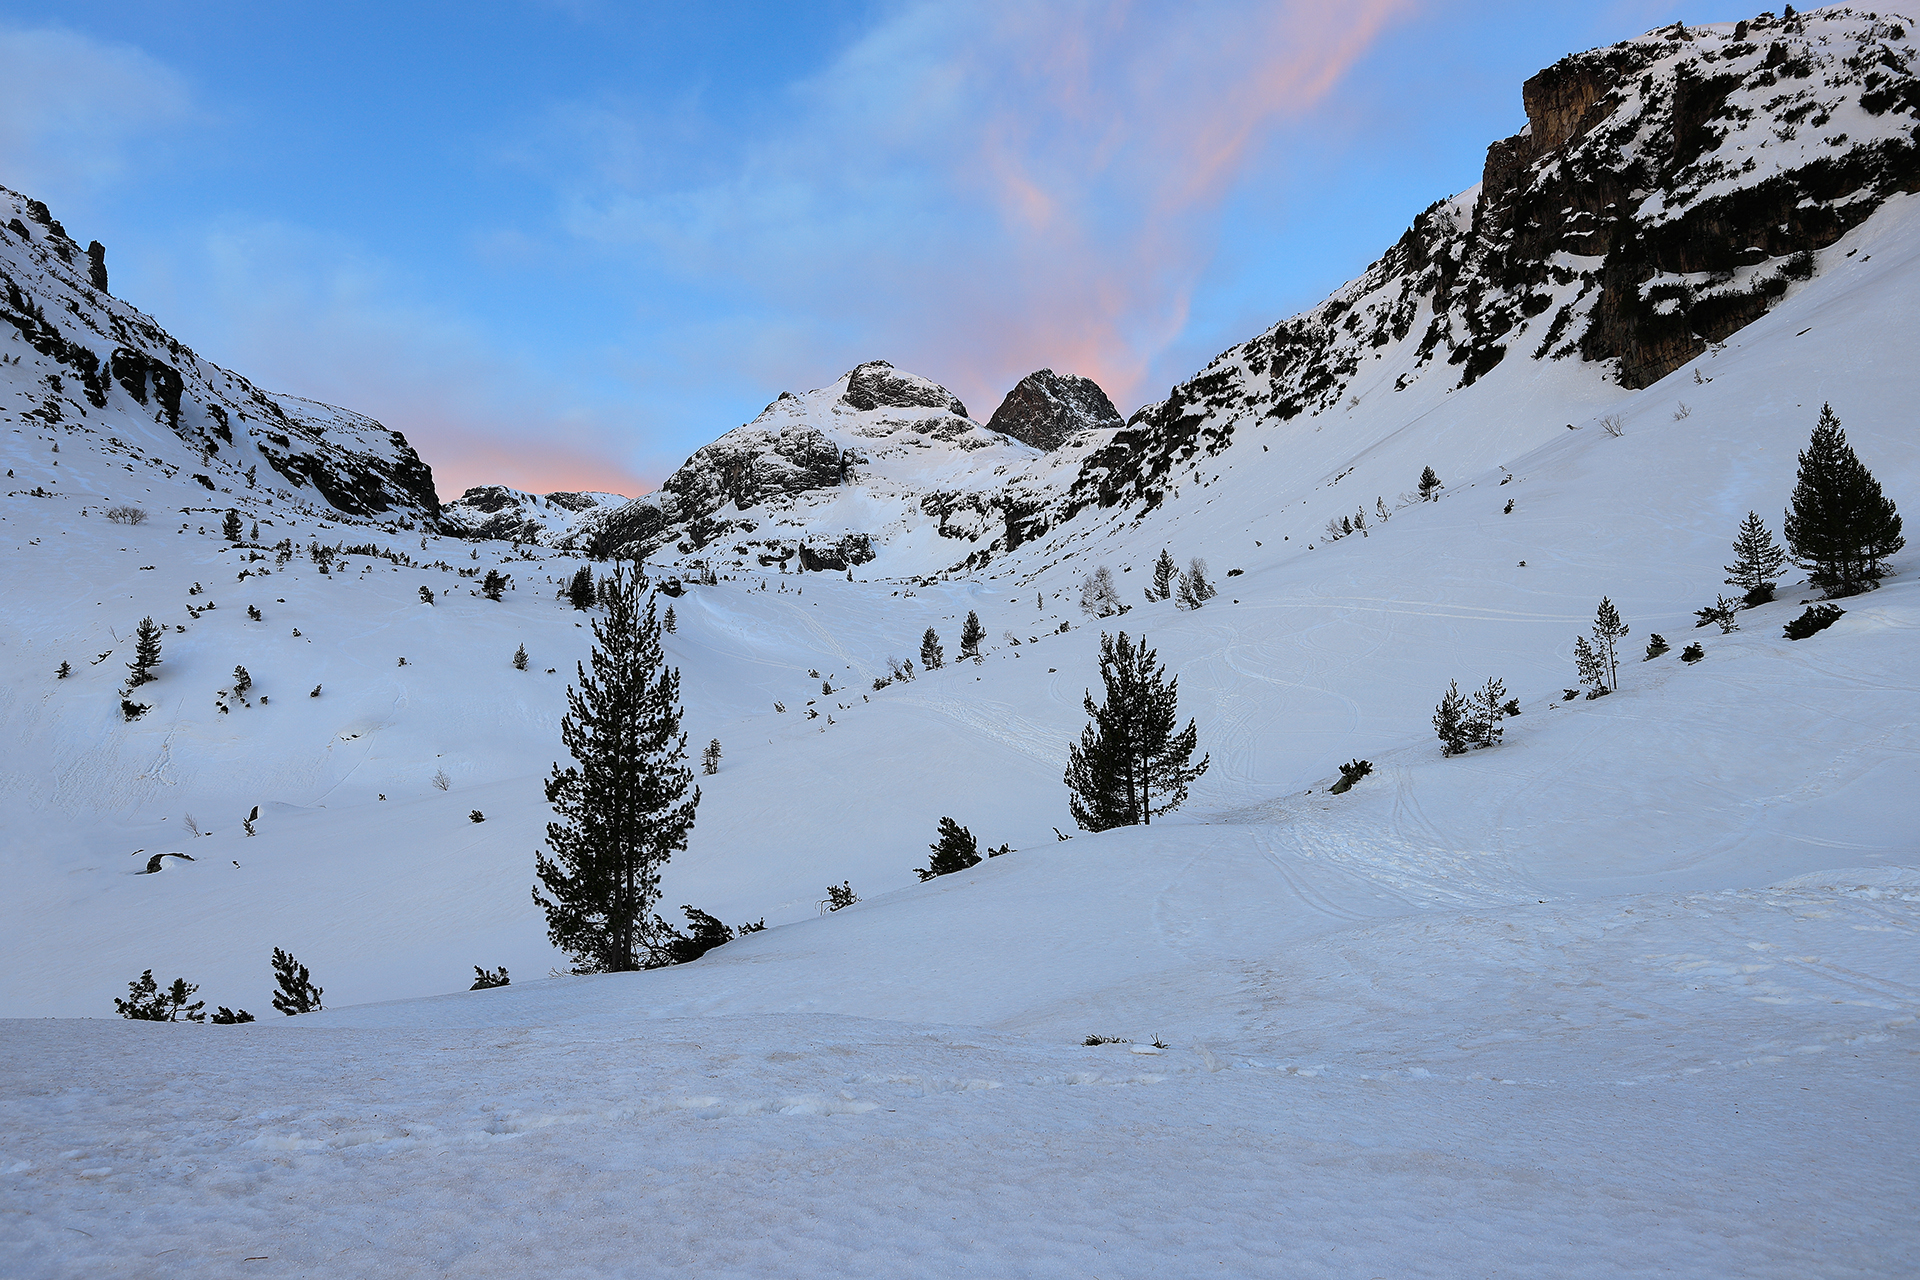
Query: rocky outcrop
[1665, 192]
[1045, 409]
[877, 384]
[53, 294]
[512, 515]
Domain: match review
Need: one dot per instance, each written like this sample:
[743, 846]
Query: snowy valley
[1632, 992]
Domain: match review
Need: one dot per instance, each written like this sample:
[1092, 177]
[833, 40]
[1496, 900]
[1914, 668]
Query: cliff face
[53, 295]
[1046, 409]
[1665, 192]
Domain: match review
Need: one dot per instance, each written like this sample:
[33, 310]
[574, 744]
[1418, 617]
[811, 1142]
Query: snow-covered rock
[99, 369]
[503, 514]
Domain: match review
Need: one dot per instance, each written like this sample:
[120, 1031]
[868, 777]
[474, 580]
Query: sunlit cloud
[72, 110]
[977, 193]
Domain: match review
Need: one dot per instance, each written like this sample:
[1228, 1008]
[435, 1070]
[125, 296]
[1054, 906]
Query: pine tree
[1164, 572]
[1607, 630]
[488, 979]
[1487, 709]
[1756, 560]
[1592, 667]
[1429, 484]
[627, 803]
[520, 658]
[1656, 645]
[1130, 763]
[297, 993]
[710, 758]
[971, 634]
[148, 1001]
[231, 526]
[241, 682]
[580, 588]
[955, 850]
[146, 654]
[1451, 722]
[493, 584]
[225, 1017]
[672, 623]
[669, 946]
[1840, 526]
[931, 655]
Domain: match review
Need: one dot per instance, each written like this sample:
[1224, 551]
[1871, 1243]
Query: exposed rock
[1046, 408]
[877, 383]
[97, 265]
[511, 515]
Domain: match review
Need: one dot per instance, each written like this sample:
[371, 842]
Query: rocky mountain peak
[877, 384]
[1046, 408]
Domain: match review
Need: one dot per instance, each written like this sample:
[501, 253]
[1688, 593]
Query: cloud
[73, 110]
[974, 192]
[312, 314]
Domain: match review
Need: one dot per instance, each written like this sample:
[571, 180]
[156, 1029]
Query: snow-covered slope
[82, 366]
[1631, 994]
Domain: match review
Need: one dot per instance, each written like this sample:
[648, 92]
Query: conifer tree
[672, 623]
[146, 654]
[669, 946]
[580, 589]
[1164, 572]
[1756, 560]
[148, 1001]
[1487, 710]
[1656, 645]
[1131, 764]
[710, 758]
[242, 682]
[1607, 630]
[1592, 667]
[493, 584]
[1429, 484]
[297, 993]
[520, 658]
[487, 979]
[971, 634]
[1840, 526]
[231, 526]
[955, 850]
[627, 803]
[1451, 721]
[931, 655]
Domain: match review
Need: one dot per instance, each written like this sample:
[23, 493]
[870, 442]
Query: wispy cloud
[312, 314]
[975, 192]
[73, 109]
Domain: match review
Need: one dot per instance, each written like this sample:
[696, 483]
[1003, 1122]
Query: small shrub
[1762, 594]
[1692, 653]
[440, 780]
[297, 993]
[838, 896]
[1090, 1041]
[226, 1017]
[65, 670]
[476, 816]
[426, 595]
[1598, 691]
[1817, 618]
[1511, 707]
[520, 658]
[1656, 645]
[1568, 695]
[148, 1001]
[484, 980]
[1351, 773]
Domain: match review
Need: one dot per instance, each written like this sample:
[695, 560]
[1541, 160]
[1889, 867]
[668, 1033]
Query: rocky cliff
[1046, 409]
[124, 367]
[1665, 192]
[513, 515]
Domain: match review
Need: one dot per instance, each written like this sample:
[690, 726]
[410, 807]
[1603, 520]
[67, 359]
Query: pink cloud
[976, 194]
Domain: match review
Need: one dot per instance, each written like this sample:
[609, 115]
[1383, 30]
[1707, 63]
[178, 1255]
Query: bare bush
[126, 514]
[1613, 425]
[440, 780]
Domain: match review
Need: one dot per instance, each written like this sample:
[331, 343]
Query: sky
[561, 244]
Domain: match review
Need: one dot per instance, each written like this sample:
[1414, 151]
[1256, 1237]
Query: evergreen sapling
[955, 850]
[297, 994]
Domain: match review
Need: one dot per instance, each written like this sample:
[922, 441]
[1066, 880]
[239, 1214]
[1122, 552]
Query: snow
[1632, 994]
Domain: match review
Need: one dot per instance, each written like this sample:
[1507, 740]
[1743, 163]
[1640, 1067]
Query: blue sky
[563, 243]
